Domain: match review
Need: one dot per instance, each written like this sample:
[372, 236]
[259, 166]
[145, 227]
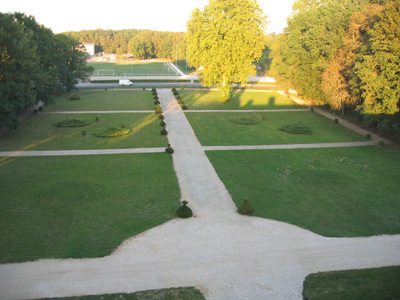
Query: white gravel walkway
[225, 255]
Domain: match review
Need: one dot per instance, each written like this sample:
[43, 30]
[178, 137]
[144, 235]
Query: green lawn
[209, 99]
[379, 284]
[129, 69]
[104, 101]
[81, 206]
[164, 294]
[335, 192]
[216, 128]
[38, 132]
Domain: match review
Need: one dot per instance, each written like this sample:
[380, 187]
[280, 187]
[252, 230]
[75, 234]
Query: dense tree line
[142, 44]
[35, 65]
[345, 53]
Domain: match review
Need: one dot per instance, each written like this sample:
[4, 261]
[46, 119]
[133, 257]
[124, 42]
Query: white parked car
[125, 82]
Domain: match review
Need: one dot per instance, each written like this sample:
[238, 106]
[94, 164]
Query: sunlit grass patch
[209, 99]
[336, 192]
[38, 132]
[216, 128]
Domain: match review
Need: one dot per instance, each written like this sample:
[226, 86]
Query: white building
[89, 48]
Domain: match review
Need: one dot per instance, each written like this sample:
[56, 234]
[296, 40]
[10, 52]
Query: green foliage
[161, 116]
[163, 132]
[162, 123]
[158, 109]
[74, 122]
[245, 208]
[111, 132]
[74, 97]
[184, 211]
[245, 121]
[296, 128]
[35, 65]
[169, 149]
[226, 38]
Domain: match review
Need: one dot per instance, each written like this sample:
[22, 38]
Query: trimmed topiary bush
[111, 132]
[297, 128]
[158, 109]
[161, 117]
[184, 211]
[73, 123]
[163, 132]
[184, 107]
[74, 97]
[169, 149]
[162, 123]
[245, 208]
[156, 102]
[181, 102]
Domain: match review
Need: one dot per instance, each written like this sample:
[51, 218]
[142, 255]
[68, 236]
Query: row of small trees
[35, 65]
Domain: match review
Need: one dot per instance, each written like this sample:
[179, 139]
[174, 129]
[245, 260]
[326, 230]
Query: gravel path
[225, 255]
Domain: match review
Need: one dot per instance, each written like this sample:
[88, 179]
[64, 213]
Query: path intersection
[223, 254]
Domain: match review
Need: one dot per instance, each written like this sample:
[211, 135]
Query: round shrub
[156, 102]
[161, 116]
[181, 102]
[169, 149]
[184, 107]
[158, 109]
[184, 211]
[297, 128]
[155, 97]
[177, 97]
[163, 132]
[75, 97]
[245, 208]
[162, 123]
[111, 132]
[73, 123]
[173, 89]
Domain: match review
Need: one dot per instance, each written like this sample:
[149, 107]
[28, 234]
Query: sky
[161, 15]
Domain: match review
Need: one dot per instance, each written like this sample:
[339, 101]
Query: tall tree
[18, 64]
[71, 62]
[379, 69]
[226, 38]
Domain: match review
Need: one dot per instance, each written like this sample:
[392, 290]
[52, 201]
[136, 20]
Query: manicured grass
[81, 206]
[138, 69]
[164, 294]
[335, 192]
[38, 132]
[104, 101]
[209, 99]
[216, 128]
[381, 284]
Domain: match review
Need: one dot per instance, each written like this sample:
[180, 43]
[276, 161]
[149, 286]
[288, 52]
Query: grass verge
[215, 128]
[209, 99]
[163, 294]
[381, 284]
[81, 206]
[335, 192]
